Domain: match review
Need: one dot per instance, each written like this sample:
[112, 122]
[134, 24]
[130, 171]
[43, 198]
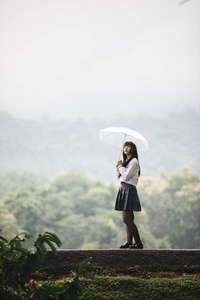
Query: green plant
[17, 265]
[122, 287]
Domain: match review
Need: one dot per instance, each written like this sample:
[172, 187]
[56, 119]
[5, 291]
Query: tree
[8, 221]
[81, 211]
[28, 209]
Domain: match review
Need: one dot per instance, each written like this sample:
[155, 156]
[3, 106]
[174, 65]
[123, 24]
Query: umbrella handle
[120, 153]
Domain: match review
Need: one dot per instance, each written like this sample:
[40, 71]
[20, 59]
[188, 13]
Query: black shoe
[136, 246]
[125, 246]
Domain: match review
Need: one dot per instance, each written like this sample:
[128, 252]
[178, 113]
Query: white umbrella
[117, 136]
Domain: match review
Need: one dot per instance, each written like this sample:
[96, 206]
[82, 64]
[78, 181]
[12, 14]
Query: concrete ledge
[123, 261]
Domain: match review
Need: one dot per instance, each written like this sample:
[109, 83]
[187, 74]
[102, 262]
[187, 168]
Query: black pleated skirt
[127, 198]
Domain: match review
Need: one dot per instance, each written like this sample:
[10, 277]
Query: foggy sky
[98, 58]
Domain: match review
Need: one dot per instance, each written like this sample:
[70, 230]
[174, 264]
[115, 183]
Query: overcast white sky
[98, 58]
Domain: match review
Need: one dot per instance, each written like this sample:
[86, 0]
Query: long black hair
[134, 154]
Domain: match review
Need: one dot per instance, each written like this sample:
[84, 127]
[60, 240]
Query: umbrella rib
[122, 145]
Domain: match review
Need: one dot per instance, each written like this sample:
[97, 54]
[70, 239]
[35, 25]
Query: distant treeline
[81, 210]
[52, 147]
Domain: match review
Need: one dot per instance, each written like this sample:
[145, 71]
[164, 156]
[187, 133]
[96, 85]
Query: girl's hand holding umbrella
[118, 163]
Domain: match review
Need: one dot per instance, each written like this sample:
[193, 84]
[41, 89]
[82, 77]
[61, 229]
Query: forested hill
[52, 147]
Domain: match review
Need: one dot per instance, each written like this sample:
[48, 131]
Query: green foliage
[173, 208]
[8, 221]
[126, 287]
[12, 180]
[81, 211]
[21, 263]
[69, 289]
[26, 206]
[182, 177]
[18, 264]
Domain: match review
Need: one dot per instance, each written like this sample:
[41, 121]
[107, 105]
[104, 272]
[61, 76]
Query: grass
[140, 285]
[127, 287]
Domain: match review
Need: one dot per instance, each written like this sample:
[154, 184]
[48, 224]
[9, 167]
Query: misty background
[89, 59]
[71, 68]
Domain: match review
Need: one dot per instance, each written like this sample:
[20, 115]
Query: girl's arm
[128, 172]
[118, 164]
[118, 173]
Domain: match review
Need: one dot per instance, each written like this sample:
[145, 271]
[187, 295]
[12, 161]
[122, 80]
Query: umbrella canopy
[117, 136]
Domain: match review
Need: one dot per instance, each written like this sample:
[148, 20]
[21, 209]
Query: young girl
[127, 200]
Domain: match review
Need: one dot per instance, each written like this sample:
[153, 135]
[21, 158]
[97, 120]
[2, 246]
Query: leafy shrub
[17, 265]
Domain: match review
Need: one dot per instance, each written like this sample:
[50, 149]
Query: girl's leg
[128, 233]
[129, 236]
[132, 231]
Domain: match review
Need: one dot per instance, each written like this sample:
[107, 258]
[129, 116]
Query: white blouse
[129, 174]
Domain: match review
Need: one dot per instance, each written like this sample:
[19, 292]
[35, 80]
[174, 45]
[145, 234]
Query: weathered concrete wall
[123, 261]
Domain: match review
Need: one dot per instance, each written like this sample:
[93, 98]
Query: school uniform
[127, 197]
